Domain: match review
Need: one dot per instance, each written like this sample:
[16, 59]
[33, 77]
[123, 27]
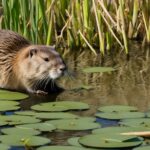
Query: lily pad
[61, 148]
[60, 106]
[117, 130]
[16, 119]
[55, 115]
[8, 105]
[19, 131]
[74, 124]
[38, 126]
[2, 123]
[98, 69]
[25, 113]
[120, 115]
[136, 122]
[9, 95]
[23, 140]
[74, 141]
[4, 147]
[142, 148]
[148, 114]
[117, 108]
[107, 141]
[89, 119]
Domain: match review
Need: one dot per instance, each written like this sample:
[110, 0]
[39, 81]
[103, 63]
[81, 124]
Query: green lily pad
[8, 105]
[9, 95]
[55, 115]
[60, 106]
[89, 119]
[142, 148]
[26, 113]
[98, 69]
[107, 141]
[74, 141]
[61, 148]
[2, 123]
[16, 119]
[19, 131]
[23, 140]
[4, 147]
[136, 122]
[120, 115]
[38, 126]
[74, 124]
[117, 108]
[148, 114]
[118, 130]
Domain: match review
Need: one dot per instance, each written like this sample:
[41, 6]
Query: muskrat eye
[46, 59]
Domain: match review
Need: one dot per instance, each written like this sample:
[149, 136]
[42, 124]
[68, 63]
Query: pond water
[128, 85]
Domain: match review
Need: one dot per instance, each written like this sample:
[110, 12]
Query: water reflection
[128, 85]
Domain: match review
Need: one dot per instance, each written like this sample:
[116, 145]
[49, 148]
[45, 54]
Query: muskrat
[28, 67]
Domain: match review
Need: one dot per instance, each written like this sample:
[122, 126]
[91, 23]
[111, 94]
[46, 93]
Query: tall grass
[97, 24]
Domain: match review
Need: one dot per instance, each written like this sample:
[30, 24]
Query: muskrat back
[27, 67]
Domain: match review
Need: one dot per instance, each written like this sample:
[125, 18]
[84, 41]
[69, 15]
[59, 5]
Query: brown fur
[27, 67]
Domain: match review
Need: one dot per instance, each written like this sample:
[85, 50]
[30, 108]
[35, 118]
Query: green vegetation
[79, 23]
[27, 128]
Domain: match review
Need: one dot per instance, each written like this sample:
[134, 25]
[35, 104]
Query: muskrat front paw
[40, 92]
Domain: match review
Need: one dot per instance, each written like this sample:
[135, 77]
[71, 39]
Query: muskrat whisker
[46, 83]
[52, 83]
[41, 81]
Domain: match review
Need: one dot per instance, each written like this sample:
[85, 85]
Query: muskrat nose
[62, 68]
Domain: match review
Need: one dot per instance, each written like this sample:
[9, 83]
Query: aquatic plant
[96, 24]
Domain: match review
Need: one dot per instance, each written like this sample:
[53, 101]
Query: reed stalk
[146, 18]
[93, 24]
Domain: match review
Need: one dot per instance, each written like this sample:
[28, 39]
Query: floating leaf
[8, 108]
[142, 148]
[107, 141]
[61, 148]
[8, 105]
[89, 119]
[57, 115]
[38, 126]
[136, 122]
[98, 69]
[74, 124]
[117, 130]
[4, 147]
[23, 140]
[148, 114]
[117, 108]
[3, 123]
[19, 131]
[9, 95]
[60, 106]
[74, 141]
[120, 115]
[16, 119]
[26, 113]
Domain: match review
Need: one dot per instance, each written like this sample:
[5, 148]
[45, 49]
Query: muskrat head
[41, 63]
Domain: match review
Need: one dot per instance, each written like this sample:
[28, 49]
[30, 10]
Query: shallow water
[128, 85]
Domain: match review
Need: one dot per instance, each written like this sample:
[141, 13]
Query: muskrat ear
[32, 52]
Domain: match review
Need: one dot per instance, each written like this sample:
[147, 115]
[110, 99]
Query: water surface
[128, 85]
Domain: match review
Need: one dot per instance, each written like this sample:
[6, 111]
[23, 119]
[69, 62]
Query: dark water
[128, 85]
